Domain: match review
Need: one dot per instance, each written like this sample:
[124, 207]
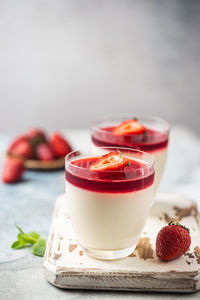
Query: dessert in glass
[109, 198]
[146, 133]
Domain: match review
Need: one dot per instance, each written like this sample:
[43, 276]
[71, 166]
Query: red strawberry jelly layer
[150, 141]
[135, 177]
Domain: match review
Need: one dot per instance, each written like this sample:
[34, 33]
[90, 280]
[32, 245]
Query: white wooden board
[66, 265]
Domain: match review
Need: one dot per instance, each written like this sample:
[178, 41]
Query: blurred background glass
[64, 62]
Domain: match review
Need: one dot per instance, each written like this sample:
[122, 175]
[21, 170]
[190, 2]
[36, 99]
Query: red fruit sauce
[131, 178]
[150, 141]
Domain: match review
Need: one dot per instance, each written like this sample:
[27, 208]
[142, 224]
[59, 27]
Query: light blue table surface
[30, 205]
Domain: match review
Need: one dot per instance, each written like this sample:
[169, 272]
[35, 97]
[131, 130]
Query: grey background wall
[64, 62]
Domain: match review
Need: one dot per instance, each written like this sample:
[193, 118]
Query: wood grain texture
[67, 266]
[55, 164]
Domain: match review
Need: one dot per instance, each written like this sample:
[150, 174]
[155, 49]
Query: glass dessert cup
[108, 209]
[154, 141]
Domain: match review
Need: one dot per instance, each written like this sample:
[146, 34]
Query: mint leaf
[29, 239]
[17, 244]
[39, 247]
[34, 235]
[20, 230]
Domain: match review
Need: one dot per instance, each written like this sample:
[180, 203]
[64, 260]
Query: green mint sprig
[30, 239]
[39, 247]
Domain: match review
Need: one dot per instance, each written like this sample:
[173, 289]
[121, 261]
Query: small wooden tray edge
[34, 164]
[45, 165]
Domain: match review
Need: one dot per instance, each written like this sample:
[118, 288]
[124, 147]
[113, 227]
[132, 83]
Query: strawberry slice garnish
[129, 126]
[111, 161]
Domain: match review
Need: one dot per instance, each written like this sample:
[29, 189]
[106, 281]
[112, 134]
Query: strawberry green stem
[173, 222]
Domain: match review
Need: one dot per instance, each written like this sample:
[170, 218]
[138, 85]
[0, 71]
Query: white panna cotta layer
[108, 221]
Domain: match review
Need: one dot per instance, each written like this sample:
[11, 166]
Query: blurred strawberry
[13, 169]
[59, 145]
[44, 152]
[129, 126]
[16, 141]
[36, 136]
[22, 148]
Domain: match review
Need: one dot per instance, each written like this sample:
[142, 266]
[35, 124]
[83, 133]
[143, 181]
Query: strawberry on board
[172, 241]
[13, 169]
[44, 152]
[111, 161]
[128, 127]
[59, 145]
[22, 148]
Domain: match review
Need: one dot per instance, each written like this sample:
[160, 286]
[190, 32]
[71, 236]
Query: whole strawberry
[44, 152]
[13, 169]
[172, 241]
[17, 141]
[59, 145]
[22, 148]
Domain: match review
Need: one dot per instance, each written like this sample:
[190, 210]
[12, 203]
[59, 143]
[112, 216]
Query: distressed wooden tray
[66, 265]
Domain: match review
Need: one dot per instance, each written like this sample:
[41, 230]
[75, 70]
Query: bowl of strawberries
[35, 150]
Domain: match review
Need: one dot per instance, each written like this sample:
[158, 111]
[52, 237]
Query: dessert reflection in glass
[109, 198]
[146, 133]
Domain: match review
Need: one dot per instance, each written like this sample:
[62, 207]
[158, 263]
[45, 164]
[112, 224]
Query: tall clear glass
[108, 209]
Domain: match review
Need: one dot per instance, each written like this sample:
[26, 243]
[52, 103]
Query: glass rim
[149, 164]
[127, 116]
